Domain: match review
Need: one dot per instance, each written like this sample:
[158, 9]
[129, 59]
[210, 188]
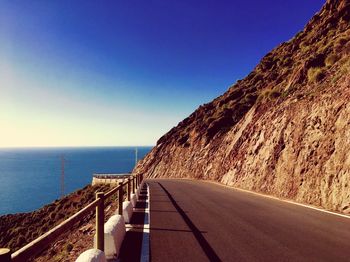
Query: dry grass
[315, 74]
[331, 59]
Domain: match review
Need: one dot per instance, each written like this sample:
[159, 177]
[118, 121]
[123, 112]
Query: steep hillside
[283, 130]
[17, 230]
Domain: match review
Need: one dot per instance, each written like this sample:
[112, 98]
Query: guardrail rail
[41, 243]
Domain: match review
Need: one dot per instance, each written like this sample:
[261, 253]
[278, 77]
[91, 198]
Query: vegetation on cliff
[282, 129]
[291, 69]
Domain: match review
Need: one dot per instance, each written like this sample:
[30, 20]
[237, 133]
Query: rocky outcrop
[283, 130]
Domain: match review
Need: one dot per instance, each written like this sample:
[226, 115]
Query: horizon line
[75, 146]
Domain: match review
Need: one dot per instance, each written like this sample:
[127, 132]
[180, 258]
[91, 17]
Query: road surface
[200, 221]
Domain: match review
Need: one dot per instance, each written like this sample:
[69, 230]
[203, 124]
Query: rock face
[284, 130]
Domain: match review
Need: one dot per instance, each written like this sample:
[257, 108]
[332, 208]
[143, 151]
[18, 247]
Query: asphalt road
[132, 247]
[199, 221]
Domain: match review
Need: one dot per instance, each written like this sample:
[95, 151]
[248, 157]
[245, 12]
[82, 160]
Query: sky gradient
[83, 73]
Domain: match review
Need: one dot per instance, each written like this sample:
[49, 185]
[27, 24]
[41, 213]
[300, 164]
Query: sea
[31, 177]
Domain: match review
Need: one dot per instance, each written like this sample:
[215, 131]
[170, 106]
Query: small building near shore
[111, 179]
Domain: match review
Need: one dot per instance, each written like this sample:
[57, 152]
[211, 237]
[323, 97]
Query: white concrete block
[133, 199]
[114, 235]
[92, 255]
[127, 211]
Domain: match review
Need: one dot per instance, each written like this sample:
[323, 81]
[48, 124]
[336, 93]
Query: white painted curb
[114, 234]
[133, 199]
[92, 255]
[127, 211]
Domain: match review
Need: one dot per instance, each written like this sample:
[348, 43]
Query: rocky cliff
[284, 130]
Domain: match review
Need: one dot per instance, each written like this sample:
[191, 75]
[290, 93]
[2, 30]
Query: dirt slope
[17, 230]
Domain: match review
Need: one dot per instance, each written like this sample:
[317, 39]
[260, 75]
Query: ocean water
[31, 177]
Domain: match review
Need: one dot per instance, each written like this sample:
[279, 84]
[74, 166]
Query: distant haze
[84, 73]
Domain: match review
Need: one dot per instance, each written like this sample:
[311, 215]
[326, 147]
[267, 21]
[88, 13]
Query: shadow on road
[208, 250]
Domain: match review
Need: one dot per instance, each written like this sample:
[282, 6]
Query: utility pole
[62, 175]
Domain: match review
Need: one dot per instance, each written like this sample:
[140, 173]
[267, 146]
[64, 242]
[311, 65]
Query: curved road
[199, 221]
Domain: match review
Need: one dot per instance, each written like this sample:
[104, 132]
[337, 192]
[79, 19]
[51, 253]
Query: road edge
[265, 195]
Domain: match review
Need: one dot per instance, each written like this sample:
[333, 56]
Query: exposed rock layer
[283, 130]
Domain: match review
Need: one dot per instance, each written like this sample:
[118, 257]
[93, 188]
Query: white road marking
[146, 231]
[136, 209]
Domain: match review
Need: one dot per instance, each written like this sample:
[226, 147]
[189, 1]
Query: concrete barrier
[112, 179]
[114, 234]
[92, 255]
[127, 211]
[133, 199]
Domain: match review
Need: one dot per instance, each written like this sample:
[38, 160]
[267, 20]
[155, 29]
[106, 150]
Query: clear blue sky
[80, 73]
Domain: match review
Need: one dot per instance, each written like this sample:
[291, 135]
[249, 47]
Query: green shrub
[20, 241]
[250, 98]
[331, 32]
[345, 65]
[341, 41]
[346, 48]
[315, 74]
[51, 208]
[331, 59]
[69, 247]
[303, 45]
[287, 61]
[274, 94]
[263, 95]
[270, 94]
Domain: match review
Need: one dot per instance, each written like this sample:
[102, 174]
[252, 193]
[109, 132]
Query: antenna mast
[62, 175]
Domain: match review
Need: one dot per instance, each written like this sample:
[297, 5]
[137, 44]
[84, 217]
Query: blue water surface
[31, 177]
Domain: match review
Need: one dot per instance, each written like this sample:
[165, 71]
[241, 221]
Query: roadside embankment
[19, 229]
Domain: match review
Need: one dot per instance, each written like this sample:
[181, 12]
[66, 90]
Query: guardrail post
[5, 255]
[100, 222]
[137, 181]
[128, 188]
[133, 184]
[120, 198]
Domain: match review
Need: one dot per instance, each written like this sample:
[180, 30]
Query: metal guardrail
[41, 243]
